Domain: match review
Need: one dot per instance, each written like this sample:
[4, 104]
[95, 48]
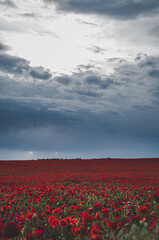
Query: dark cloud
[40, 128]
[89, 93]
[93, 80]
[155, 92]
[149, 61]
[143, 107]
[79, 111]
[32, 126]
[96, 80]
[7, 3]
[4, 47]
[12, 64]
[18, 65]
[19, 115]
[154, 73]
[40, 73]
[65, 80]
[126, 9]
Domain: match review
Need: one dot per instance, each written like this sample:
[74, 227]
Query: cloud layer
[16, 65]
[39, 108]
[7, 3]
[119, 9]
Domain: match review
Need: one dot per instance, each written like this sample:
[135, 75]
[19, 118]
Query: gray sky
[79, 78]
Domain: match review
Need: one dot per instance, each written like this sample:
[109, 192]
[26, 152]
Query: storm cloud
[40, 73]
[17, 65]
[118, 9]
[76, 100]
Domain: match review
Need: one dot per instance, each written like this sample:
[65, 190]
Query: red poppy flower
[38, 233]
[112, 226]
[63, 223]
[57, 210]
[47, 211]
[30, 236]
[97, 216]
[74, 221]
[29, 215]
[114, 205]
[5, 209]
[131, 197]
[75, 230]
[143, 210]
[53, 221]
[103, 222]
[105, 212]
[21, 220]
[68, 219]
[96, 233]
[151, 228]
[136, 197]
[98, 205]
[87, 218]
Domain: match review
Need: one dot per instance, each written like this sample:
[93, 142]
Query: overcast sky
[79, 78]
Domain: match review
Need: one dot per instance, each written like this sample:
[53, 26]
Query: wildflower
[68, 219]
[143, 210]
[97, 216]
[136, 197]
[112, 225]
[151, 228]
[105, 212]
[30, 236]
[38, 233]
[96, 233]
[29, 215]
[47, 211]
[21, 220]
[75, 230]
[63, 223]
[115, 205]
[74, 221]
[87, 218]
[98, 205]
[5, 209]
[58, 211]
[103, 222]
[154, 217]
[131, 197]
[53, 221]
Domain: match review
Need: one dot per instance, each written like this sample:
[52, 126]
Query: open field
[79, 199]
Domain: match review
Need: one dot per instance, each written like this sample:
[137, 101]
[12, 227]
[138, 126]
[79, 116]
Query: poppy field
[116, 199]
